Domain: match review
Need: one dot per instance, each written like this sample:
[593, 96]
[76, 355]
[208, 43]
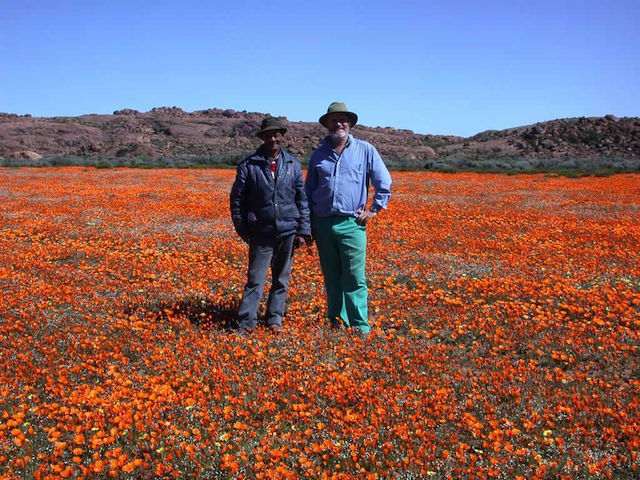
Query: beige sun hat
[338, 107]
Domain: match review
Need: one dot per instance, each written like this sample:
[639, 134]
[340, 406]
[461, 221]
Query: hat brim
[270, 129]
[352, 117]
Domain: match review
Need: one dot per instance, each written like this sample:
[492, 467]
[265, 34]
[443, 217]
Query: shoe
[337, 323]
[360, 333]
[243, 332]
[275, 328]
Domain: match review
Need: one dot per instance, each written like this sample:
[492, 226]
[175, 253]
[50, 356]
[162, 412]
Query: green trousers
[342, 246]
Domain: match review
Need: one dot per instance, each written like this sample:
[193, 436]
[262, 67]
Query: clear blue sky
[442, 67]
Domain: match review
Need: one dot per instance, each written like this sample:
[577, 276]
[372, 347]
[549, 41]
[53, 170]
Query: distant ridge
[167, 132]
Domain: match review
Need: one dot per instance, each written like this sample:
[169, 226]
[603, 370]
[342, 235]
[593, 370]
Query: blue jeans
[263, 253]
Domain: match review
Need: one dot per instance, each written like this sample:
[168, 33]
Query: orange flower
[505, 315]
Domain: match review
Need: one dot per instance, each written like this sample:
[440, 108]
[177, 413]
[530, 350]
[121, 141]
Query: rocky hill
[171, 132]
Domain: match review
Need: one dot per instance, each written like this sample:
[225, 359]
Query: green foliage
[229, 160]
[565, 166]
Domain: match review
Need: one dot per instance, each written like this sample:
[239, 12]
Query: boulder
[426, 153]
[26, 155]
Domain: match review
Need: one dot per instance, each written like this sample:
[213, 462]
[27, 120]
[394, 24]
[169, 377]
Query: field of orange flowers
[506, 315]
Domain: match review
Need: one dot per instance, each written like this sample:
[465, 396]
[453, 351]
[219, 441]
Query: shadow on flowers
[201, 312]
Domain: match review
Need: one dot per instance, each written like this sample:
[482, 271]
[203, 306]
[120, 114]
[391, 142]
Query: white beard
[339, 136]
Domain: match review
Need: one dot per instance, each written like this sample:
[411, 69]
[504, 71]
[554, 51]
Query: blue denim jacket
[266, 206]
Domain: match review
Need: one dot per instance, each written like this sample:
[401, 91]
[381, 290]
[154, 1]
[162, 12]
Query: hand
[300, 241]
[308, 240]
[364, 216]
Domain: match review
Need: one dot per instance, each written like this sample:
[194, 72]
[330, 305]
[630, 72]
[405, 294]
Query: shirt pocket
[324, 172]
[355, 173]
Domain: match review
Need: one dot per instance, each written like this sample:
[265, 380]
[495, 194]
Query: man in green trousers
[340, 172]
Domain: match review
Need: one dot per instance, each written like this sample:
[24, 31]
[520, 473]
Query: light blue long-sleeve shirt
[339, 184]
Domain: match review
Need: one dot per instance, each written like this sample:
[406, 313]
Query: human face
[272, 140]
[338, 126]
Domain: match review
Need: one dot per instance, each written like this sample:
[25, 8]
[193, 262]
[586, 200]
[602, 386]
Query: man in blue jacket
[340, 172]
[270, 212]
